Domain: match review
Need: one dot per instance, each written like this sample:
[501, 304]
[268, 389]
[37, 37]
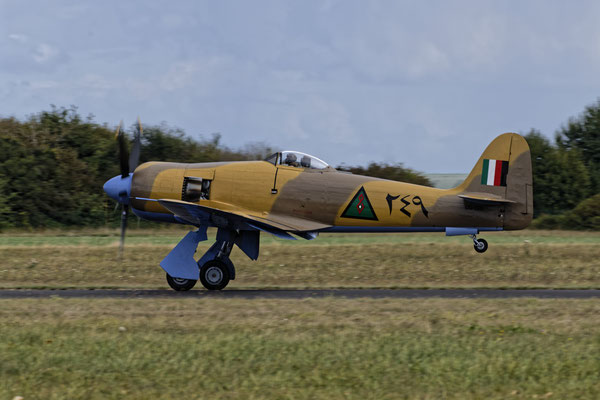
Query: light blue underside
[450, 231]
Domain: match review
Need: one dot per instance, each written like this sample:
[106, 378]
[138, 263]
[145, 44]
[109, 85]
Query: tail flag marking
[494, 172]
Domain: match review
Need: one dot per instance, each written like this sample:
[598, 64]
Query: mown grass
[300, 349]
[303, 349]
[514, 260]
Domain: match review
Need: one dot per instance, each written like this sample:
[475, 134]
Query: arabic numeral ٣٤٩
[416, 200]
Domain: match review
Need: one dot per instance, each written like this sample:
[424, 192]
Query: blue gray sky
[425, 83]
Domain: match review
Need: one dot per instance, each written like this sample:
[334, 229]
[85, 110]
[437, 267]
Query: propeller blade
[124, 214]
[123, 152]
[118, 130]
[134, 158]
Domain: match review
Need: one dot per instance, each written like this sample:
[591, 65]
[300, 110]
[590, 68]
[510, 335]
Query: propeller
[134, 158]
[119, 187]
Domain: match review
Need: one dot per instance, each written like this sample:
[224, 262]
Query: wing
[278, 225]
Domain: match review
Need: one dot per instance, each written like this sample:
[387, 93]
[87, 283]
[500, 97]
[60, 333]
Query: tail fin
[503, 172]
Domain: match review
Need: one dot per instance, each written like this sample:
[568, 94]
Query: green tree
[583, 134]
[54, 163]
[5, 211]
[394, 172]
[53, 166]
[560, 178]
[586, 215]
[161, 143]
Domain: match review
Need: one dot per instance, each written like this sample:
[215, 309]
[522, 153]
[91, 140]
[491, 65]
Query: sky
[424, 83]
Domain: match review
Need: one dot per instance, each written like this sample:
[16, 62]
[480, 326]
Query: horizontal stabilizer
[484, 199]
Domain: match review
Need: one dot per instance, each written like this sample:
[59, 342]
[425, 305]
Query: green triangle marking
[360, 207]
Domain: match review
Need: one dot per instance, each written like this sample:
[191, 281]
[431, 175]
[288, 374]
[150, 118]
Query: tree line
[566, 173]
[53, 165]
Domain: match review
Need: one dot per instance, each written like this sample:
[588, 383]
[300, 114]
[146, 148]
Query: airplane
[291, 194]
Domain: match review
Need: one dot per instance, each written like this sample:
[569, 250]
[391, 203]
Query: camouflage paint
[331, 198]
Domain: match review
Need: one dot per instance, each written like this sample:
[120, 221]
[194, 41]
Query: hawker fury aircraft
[291, 194]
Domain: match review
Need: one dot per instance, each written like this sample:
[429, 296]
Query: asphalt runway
[305, 293]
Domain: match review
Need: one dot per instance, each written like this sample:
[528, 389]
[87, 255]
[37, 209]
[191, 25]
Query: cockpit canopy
[296, 159]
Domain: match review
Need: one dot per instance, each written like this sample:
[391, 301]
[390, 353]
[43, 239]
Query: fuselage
[339, 199]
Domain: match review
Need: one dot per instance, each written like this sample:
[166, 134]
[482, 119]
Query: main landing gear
[214, 269]
[480, 245]
[214, 275]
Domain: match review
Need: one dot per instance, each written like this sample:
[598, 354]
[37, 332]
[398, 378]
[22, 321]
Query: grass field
[303, 349]
[300, 349]
[514, 260]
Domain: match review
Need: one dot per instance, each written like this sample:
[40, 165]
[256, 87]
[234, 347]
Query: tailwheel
[214, 275]
[480, 245]
[180, 284]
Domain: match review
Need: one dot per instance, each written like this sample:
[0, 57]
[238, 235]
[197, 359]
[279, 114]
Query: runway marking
[304, 293]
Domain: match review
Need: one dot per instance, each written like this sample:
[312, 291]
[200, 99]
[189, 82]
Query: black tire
[214, 275]
[180, 284]
[481, 246]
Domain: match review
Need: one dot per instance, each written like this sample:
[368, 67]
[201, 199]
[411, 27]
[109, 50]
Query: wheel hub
[214, 275]
[180, 281]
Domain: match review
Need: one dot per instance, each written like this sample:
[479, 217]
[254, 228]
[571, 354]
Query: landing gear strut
[480, 245]
[214, 269]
